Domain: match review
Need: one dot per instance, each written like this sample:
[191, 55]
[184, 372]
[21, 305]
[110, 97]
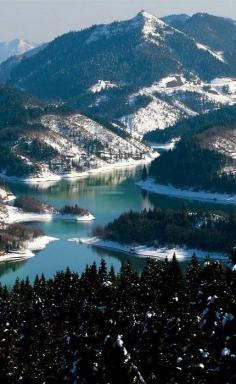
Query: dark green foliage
[38, 150]
[19, 119]
[166, 227]
[13, 164]
[16, 108]
[190, 165]
[73, 210]
[216, 32]
[160, 327]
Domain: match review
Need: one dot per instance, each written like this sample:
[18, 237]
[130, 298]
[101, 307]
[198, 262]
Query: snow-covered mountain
[48, 141]
[14, 47]
[141, 73]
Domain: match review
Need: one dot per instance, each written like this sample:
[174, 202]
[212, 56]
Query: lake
[106, 195]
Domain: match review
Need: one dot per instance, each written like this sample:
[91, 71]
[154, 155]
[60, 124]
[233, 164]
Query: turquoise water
[106, 195]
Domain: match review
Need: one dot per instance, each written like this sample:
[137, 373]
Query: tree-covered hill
[192, 165]
[49, 140]
[158, 228]
[223, 117]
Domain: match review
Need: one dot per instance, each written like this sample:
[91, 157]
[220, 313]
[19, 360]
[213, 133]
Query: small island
[75, 212]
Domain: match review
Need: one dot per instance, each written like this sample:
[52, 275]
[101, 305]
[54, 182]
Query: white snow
[165, 146]
[28, 249]
[86, 217]
[218, 55]
[175, 89]
[152, 28]
[16, 215]
[82, 147]
[225, 352]
[224, 85]
[102, 85]
[157, 114]
[6, 195]
[218, 198]
[145, 251]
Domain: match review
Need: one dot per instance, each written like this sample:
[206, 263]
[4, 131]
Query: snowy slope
[171, 99]
[80, 145]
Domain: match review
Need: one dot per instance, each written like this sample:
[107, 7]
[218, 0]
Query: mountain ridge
[140, 73]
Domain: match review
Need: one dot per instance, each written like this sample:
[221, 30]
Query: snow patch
[102, 85]
[217, 55]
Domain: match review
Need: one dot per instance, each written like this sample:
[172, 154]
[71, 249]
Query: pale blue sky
[42, 20]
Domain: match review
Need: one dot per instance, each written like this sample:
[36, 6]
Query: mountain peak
[151, 26]
[146, 17]
[14, 47]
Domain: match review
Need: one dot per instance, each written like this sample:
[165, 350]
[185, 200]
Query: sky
[43, 20]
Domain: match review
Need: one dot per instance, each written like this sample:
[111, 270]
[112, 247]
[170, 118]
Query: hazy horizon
[43, 20]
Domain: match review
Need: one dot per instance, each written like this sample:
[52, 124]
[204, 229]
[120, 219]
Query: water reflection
[11, 266]
[106, 195]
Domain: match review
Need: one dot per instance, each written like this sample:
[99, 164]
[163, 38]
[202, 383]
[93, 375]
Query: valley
[117, 192]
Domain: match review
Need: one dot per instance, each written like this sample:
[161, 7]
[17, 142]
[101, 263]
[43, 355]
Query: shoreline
[186, 194]
[76, 175]
[182, 253]
[28, 249]
[16, 215]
